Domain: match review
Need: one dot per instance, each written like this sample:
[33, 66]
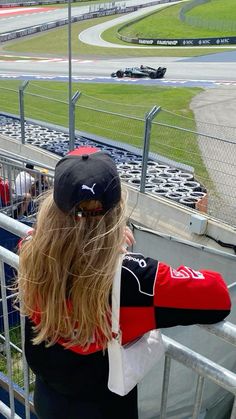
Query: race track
[180, 71]
[24, 17]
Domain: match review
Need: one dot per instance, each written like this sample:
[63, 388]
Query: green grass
[16, 357]
[166, 24]
[55, 43]
[223, 10]
[98, 108]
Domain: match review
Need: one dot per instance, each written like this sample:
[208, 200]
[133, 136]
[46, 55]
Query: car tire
[152, 75]
[119, 74]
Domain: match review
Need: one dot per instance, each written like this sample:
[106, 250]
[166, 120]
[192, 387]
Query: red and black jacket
[153, 296]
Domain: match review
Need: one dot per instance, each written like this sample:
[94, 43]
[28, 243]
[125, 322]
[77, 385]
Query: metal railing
[202, 366]
[9, 258]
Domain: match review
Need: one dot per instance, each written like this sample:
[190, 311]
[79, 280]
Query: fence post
[147, 133]
[22, 110]
[72, 126]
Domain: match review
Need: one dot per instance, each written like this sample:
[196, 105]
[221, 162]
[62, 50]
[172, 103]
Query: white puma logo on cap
[90, 189]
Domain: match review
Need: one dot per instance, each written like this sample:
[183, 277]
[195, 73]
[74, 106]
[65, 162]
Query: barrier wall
[175, 42]
[115, 9]
[17, 3]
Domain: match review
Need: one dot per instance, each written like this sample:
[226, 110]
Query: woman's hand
[128, 239]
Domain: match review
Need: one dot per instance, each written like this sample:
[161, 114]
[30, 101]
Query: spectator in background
[4, 192]
[23, 188]
[24, 181]
[41, 183]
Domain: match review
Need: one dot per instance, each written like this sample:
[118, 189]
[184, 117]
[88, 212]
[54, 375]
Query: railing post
[165, 386]
[147, 133]
[22, 110]
[72, 122]
[198, 397]
[70, 79]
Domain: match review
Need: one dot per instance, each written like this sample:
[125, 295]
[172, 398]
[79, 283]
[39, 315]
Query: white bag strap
[116, 298]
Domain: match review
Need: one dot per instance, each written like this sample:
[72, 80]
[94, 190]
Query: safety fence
[20, 381]
[213, 24]
[191, 157]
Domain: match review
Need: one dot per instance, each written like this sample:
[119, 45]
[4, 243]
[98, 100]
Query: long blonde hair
[66, 272]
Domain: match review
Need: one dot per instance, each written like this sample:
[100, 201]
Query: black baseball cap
[86, 173]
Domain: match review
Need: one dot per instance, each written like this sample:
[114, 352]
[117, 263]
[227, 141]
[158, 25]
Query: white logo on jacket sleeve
[142, 263]
[186, 273]
[89, 189]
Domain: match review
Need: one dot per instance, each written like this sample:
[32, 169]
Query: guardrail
[17, 3]
[203, 367]
[94, 11]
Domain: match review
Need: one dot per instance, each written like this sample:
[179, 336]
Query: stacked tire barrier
[165, 181]
[161, 179]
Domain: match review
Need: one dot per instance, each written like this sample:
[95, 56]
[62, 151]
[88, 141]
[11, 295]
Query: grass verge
[55, 43]
[166, 24]
[221, 10]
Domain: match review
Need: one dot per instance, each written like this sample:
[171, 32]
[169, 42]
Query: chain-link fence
[194, 160]
[206, 23]
[211, 157]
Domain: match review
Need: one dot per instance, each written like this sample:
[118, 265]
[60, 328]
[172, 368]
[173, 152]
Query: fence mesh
[205, 23]
[211, 157]
[117, 127]
[208, 149]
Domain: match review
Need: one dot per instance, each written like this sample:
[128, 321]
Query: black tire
[160, 72]
[152, 75]
[119, 74]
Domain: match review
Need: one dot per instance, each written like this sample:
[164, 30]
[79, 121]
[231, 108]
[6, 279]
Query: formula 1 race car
[142, 71]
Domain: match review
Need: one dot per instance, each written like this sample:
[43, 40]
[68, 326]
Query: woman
[65, 279]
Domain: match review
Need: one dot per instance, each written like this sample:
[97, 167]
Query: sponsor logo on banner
[146, 41]
[166, 41]
[188, 42]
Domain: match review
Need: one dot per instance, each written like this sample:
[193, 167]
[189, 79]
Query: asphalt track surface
[180, 71]
[24, 17]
